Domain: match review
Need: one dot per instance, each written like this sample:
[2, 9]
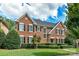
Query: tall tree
[73, 21]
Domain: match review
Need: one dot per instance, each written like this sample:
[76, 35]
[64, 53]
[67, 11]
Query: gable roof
[26, 15]
[57, 25]
[38, 21]
[44, 23]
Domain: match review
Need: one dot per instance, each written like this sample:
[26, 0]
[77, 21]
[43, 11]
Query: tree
[73, 21]
[12, 40]
[2, 37]
[10, 23]
[36, 40]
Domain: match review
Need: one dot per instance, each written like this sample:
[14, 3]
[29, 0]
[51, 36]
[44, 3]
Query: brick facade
[51, 33]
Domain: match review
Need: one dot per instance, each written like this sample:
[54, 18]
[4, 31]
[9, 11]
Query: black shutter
[33, 28]
[24, 27]
[40, 28]
[24, 40]
[27, 39]
[18, 26]
[27, 27]
[36, 28]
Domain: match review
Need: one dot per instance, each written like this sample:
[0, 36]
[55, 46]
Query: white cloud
[41, 10]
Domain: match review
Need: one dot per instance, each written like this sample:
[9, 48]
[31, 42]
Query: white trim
[30, 24]
[21, 23]
[21, 35]
[56, 26]
[30, 36]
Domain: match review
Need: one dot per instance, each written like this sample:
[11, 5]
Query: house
[4, 26]
[49, 32]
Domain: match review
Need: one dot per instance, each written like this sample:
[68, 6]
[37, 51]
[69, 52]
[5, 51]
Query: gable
[59, 25]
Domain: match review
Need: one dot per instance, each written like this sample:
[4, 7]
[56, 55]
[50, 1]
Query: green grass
[34, 52]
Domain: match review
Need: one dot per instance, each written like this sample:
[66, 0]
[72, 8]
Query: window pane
[45, 35]
[21, 27]
[22, 40]
[31, 28]
[57, 31]
[30, 40]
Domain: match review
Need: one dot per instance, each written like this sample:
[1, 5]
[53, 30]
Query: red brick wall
[26, 33]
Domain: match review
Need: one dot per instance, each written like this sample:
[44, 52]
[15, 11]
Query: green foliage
[36, 41]
[10, 23]
[12, 40]
[2, 37]
[72, 23]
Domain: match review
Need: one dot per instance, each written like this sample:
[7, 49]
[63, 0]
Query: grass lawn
[34, 52]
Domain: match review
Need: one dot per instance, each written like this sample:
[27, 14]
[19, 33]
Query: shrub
[51, 46]
[2, 38]
[28, 45]
[12, 40]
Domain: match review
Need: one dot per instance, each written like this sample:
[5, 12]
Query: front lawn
[34, 52]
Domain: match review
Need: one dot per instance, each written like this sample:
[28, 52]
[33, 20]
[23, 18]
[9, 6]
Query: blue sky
[51, 12]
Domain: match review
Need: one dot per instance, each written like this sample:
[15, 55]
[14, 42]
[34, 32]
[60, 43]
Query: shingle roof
[44, 23]
[39, 22]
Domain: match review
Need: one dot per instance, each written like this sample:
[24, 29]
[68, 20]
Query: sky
[51, 12]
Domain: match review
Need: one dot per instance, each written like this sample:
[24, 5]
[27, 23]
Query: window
[62, 41]
[38, 28]
[45, 33]
[57, 31]
[21, 26]
[62, 31]
[30, 39]
[51, 40]
[22, 39]
[30, 28]
[45, 30]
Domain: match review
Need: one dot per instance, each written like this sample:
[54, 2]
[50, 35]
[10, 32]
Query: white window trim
[31, 37]
[46, 31]
[29, 28]
[19, 26]
[21, 35]
[57, 31]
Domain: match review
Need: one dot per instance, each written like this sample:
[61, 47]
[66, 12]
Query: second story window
[57, 31]
[30, 28]
[62, 32]
[21, 27]
[38, 28]
[45, 33]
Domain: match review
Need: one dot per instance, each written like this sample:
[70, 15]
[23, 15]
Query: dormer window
[21, 27]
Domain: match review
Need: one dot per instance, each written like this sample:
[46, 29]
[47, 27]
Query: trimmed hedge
[52, 46]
